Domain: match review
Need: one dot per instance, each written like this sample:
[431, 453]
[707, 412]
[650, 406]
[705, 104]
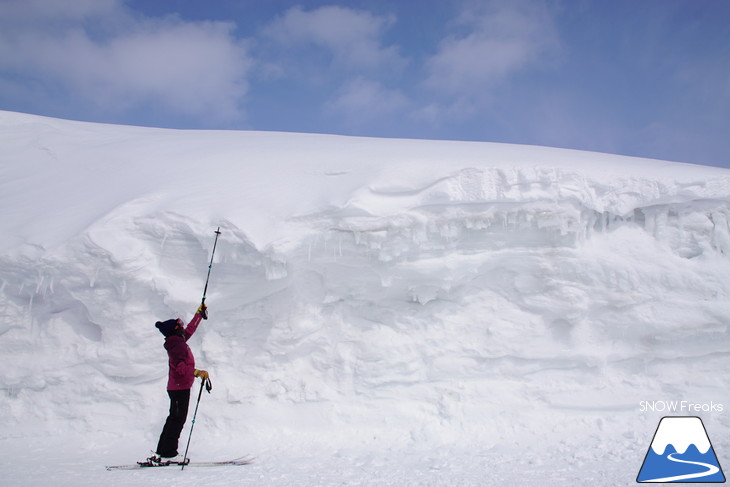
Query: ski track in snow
[383, 312]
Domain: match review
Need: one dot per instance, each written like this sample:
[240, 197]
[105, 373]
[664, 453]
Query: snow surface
[382, 312]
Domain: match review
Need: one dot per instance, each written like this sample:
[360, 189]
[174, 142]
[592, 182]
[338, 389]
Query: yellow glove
[203, 374]
[203, 311]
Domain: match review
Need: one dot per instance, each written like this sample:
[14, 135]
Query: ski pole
[208, 387]
[210, 266]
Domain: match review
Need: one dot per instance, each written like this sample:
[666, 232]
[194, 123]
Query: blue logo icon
[681, 452]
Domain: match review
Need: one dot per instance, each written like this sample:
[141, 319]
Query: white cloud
[58, 11]
[362, 100]
[341, 52]
[197, 69]
[496, 40]
[351, 37]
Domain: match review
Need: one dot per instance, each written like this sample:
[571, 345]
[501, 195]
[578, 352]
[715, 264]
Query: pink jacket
[182, 362]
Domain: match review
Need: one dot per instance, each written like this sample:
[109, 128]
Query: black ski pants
[179, 401]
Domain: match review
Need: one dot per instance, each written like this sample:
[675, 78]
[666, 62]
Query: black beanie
[167, 327]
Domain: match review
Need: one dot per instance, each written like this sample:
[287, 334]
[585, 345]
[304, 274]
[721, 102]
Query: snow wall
[364, 291]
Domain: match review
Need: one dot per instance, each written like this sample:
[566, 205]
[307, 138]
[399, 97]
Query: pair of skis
[148, 464]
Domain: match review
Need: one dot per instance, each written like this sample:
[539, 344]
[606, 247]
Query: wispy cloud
[351, 38]
[45, 11]
[361, 101]
[341, 53]
[491, 41]
[100, 54]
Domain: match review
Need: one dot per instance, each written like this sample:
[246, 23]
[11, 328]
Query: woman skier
[180, 379]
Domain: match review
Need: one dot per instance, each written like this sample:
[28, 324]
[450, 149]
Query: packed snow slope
[365, 293]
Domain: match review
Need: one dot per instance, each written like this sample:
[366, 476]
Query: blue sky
[648, 78]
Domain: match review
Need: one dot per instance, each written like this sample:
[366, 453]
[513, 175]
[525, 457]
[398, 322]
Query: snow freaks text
[680, 407]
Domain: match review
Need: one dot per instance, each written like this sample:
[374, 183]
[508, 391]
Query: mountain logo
[681, 452]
